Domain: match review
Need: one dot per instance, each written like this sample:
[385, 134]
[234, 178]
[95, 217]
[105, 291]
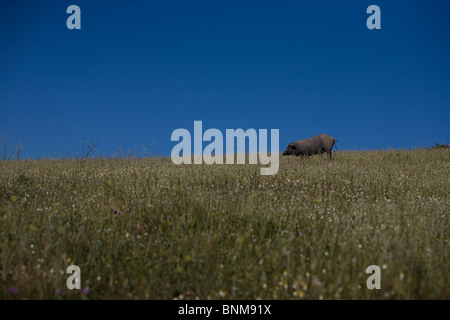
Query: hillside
[149, 229]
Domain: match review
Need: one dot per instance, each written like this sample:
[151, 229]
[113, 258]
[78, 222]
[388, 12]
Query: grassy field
[149, 229]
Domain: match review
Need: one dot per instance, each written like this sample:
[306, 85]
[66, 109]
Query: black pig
[315, 145]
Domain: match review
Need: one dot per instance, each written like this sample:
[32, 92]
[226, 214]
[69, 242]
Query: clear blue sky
[137, 70]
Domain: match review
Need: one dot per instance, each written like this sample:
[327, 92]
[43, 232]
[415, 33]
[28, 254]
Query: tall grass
[149, 229]
[8, 151]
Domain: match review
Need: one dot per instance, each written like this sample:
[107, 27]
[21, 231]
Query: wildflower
[58, 292]
[298, 293]
[86, 291]
[402, 276]
[116, 211]
[187, 258]
[304, 285]
[13, 290]
[222, 293]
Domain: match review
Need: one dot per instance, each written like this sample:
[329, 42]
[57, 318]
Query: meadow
[149, 229]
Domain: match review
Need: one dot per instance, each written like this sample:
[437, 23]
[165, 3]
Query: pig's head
[290, 150]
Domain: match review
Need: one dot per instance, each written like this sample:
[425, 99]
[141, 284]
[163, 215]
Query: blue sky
[138, 70]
